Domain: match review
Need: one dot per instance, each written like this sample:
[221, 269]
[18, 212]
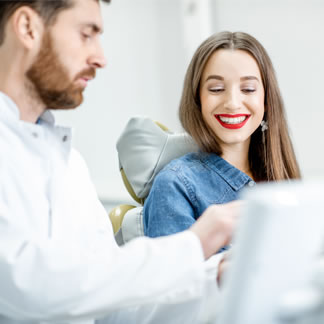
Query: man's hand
[223, 266]
[216, 225]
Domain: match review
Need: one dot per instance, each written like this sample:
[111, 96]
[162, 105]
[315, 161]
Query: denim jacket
[186, 187]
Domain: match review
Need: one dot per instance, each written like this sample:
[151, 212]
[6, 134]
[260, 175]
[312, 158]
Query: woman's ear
[28, 27]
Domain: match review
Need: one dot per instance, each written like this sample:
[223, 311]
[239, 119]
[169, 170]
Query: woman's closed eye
[249, 87]
[248, 90]
[216, 89]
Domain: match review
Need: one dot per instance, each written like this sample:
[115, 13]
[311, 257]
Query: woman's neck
[238, 156]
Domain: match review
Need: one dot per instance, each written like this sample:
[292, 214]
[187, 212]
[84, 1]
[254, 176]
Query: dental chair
[144, 148]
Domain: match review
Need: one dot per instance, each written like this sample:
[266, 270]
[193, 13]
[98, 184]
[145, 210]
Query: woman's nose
[232, 100]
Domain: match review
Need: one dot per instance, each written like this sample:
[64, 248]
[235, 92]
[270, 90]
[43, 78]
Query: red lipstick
[230, 125]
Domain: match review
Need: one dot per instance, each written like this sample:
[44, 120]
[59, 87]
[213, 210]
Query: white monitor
[279, 238]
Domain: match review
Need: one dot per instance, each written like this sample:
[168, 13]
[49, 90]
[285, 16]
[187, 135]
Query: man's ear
[28, 27]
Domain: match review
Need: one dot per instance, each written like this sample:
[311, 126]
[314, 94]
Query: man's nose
[98, 60]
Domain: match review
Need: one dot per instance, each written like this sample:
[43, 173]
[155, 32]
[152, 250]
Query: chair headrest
[144, 148]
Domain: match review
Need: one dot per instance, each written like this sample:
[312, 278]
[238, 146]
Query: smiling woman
[232, 107]
[232, 101]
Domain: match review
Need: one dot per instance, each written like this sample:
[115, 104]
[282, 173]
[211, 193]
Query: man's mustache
[89, 73]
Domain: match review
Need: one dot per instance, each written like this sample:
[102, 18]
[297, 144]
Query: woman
[232, 107]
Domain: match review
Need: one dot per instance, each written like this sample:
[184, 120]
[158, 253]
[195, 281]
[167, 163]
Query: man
[58, 258]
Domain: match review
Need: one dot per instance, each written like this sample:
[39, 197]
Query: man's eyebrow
[215, 77]
[249, 77]
[95, 28]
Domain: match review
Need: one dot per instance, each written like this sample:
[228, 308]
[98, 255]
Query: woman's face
[232, 96]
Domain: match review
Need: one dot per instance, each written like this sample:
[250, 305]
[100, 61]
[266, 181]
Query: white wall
[292, 33]
[146, 46]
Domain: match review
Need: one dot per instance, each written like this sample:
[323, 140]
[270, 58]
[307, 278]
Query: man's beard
[51, 81]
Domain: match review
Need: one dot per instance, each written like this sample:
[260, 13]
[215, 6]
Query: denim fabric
[185, 188]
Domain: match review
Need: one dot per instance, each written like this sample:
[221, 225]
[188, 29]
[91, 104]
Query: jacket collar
[233, 176]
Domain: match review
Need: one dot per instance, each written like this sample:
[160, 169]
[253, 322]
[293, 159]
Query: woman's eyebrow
[249, 77]
[216, 77]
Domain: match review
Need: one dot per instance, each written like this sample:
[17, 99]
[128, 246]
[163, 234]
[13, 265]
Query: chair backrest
[144, 148]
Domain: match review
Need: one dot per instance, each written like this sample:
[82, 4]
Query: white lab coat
[58, 258]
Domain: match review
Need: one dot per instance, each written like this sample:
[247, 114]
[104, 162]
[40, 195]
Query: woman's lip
[232, 116]
[232, 126]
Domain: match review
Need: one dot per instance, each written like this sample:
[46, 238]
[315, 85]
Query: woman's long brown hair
[273, 159]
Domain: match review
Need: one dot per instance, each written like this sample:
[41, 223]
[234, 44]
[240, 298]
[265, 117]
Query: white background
[148, 44]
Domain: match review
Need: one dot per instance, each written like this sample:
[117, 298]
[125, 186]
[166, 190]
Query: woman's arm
[169, 207]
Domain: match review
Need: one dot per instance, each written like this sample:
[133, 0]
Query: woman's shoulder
[186, 169]
[189, 163]
[186, 161]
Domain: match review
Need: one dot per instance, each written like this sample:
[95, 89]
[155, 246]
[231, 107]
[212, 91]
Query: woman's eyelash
[246, 90]
[216, 89]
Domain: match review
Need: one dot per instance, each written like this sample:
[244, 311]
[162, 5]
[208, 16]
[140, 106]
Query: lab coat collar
[12, 110]
[9, 109]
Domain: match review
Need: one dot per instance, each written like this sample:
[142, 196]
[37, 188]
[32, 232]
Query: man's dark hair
[47, 9]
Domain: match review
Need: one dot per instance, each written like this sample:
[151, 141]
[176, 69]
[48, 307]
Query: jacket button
[35, 135]
[65, 138]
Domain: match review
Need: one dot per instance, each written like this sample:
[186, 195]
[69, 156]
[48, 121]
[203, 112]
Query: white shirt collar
[48, 117]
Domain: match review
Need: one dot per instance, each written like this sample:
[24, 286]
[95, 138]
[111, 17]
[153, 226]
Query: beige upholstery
[117, 214]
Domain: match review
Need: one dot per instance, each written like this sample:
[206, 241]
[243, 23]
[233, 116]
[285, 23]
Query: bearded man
[59, 261]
